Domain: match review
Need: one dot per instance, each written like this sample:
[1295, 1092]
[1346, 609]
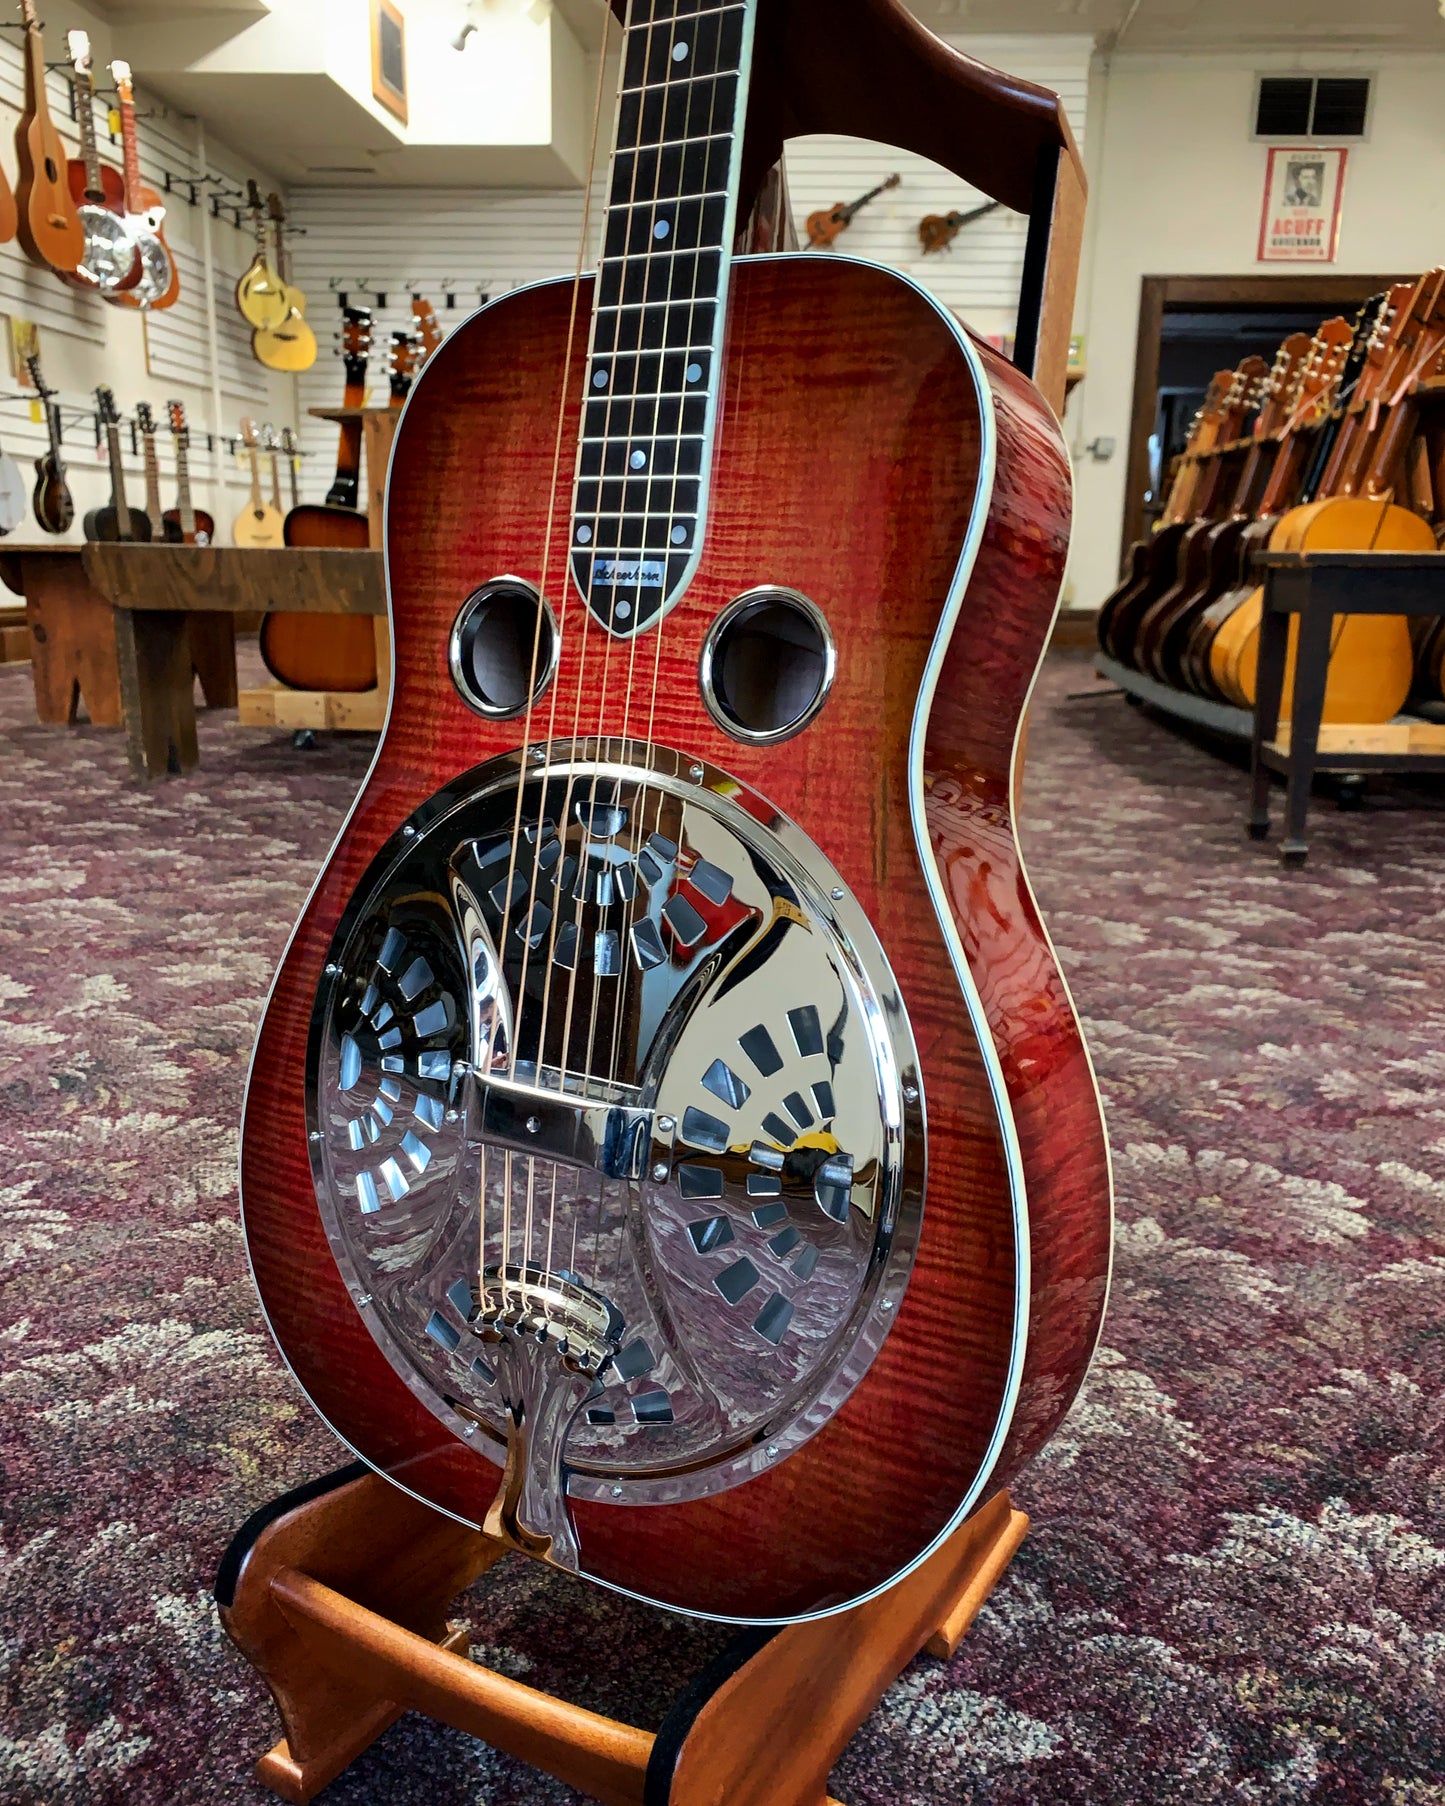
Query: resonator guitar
[670, 1145]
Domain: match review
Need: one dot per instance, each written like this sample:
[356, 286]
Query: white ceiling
[1160, 24]
[1304, 25]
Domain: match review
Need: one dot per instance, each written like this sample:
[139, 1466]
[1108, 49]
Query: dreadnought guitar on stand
[670, 1144]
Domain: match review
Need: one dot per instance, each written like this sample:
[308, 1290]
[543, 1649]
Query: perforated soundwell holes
[767, 665]
[492, 645]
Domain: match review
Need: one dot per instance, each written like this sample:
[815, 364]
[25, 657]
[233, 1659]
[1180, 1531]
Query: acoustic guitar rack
[339, 1594]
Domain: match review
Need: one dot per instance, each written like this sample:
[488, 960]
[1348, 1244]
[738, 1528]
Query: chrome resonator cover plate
[618, 1138]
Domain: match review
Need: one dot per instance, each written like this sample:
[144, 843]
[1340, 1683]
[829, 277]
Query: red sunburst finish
[849, 459]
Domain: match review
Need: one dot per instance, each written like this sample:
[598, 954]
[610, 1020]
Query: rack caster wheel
[304, 740]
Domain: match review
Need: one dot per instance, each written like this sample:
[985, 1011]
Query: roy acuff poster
[1303, 188]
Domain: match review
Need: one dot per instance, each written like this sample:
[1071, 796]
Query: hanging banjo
[670, 1145]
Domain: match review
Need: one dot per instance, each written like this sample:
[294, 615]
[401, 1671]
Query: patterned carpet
[1235, 1588]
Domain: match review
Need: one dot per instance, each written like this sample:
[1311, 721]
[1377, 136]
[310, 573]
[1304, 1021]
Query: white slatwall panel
[392, 240]
[178, 338]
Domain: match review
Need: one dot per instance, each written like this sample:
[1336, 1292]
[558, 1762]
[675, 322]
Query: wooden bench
[129, 628]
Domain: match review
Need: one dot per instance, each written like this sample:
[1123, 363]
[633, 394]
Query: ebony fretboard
[640, 504]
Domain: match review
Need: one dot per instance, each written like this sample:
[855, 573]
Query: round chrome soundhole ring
[490, 652]
[790, 635]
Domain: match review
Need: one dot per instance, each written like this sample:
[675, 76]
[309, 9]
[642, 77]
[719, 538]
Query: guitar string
[508, 898]
[578, 743]
[658, 29]
[716, 77]
[724, 253]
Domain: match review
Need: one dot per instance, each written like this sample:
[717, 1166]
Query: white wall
[391, 240]
[1176, 187]
[86, 341]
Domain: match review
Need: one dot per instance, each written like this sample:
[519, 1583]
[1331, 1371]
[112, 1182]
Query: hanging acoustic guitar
[669, 1143]
[49, 226]
[110, 261]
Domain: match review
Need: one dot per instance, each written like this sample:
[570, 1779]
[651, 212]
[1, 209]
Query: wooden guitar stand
[337, 1595]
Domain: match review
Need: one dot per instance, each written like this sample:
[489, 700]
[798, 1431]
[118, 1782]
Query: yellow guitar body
[291, 346]
[263, 298]
[1371, 658]
[259, 524]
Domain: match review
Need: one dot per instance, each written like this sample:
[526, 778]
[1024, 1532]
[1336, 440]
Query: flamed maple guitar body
[848, 394]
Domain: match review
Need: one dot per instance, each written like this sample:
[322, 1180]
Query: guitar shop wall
[1176, 190]
[188, 352]
[378, 245]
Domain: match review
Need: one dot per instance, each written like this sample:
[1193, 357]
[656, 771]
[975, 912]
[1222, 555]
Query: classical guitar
[828, 224]
[262, 297]
[52, 501]
[331, 652]
[258, 523]
[117, 520]
[159, 283]
[1308, 402]
[185, 524]
[109, 261]
[290, 345]
[1153, 562]
[1191, 560]
[1371, 656]
[937, 231]
[669, 1143]
[48, 224]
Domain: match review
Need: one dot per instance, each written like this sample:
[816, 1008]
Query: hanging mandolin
[670, 1144]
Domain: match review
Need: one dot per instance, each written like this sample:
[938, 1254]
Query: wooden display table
[129, 628]
[1317, 587]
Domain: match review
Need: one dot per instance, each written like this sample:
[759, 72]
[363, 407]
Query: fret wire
[675, 83]
[663, 200]
[637, 150]
[675, 19]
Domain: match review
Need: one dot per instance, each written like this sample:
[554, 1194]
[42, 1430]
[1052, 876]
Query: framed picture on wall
[1303, 187]
[388, 57]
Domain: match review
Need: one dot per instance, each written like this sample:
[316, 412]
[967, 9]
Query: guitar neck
[255, 478]
[35, 97]
[130, 155]
[184, 505]
[117, 484]
[52, 427]
[89, 147]
[153, 476]
[850, 213]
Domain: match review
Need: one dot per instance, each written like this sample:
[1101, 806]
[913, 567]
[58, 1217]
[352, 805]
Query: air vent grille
[1312, 106]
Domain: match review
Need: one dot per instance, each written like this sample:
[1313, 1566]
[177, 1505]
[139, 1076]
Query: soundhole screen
[493, 646]
[767, 666]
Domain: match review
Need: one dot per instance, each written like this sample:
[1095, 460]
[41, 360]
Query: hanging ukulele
[289, 346]
[118, 520]
[48, 224]
[110, 261]
[937, 231]
[669, 1143]
[259, 524]
[185, 524]
[52, 501]
[159, 284]
[826, 226]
